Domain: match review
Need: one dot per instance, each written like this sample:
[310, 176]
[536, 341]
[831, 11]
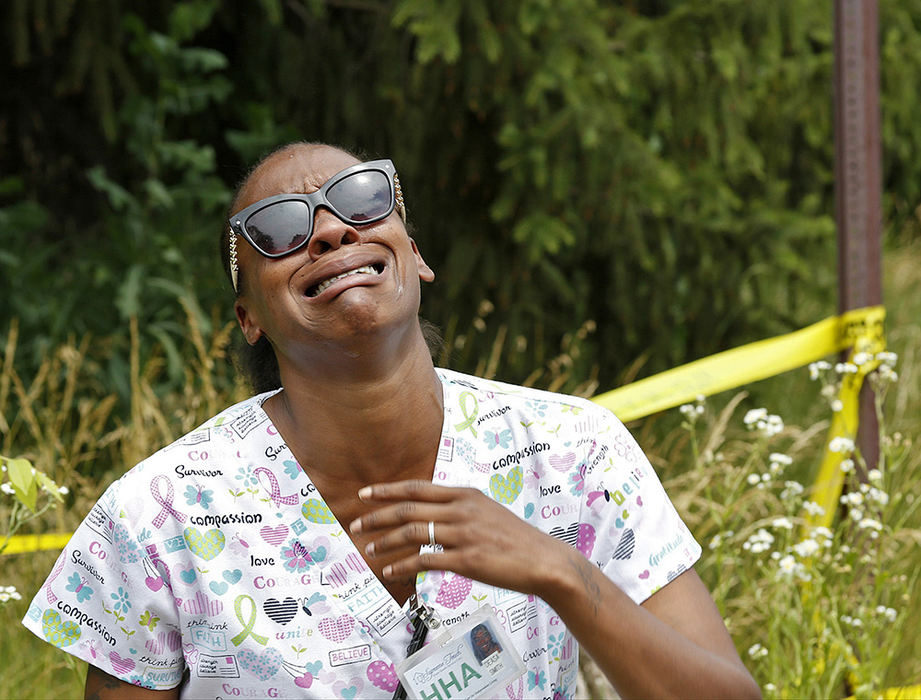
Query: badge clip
[418, 610]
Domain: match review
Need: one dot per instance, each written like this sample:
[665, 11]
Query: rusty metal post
[858, 179]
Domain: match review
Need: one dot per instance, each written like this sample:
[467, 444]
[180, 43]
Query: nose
[329, 233]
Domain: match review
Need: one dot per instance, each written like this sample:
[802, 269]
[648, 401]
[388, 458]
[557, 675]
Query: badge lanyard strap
[424, 618]
[420, 630]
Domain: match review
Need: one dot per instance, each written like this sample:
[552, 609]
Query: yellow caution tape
[861, 329]
[19, 544]
[744, 364]
[912, 691]
[829, 482]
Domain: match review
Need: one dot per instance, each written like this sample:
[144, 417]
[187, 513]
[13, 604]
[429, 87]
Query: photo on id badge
[486, 649]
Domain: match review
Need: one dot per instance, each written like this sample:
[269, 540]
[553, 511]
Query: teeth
[365, 270]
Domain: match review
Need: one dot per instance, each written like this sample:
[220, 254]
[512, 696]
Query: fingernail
[386, 571]
[364, 493]
[369, 550]
[355, 526]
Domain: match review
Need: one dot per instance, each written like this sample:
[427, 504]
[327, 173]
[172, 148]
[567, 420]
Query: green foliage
[844, 590]
[662, 169]
[32, 494]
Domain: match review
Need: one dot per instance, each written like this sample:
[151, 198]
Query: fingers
[407, 512]
[412, 534]
[411, 490]
[422, 561]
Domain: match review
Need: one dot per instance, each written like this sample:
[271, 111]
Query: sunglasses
[360, 194]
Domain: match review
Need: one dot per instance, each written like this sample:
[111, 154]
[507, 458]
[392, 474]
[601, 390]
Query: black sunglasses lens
[364, 196]
[279, 227]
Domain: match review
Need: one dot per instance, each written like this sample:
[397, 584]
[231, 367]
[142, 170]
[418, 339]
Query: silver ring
[432, 542]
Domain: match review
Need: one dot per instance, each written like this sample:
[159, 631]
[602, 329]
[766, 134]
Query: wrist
[565, 578]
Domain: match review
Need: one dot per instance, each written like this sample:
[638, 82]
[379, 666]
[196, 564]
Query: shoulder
[514, 395]
[207, 449]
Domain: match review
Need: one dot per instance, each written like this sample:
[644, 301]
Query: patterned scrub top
[216, 558]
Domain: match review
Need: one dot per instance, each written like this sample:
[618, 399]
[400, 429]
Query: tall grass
[794, 626]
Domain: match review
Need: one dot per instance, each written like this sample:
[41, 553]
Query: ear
[426, 274]
[251, 330]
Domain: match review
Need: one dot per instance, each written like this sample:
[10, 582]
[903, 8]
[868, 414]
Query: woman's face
[481, 639]
[349, 284]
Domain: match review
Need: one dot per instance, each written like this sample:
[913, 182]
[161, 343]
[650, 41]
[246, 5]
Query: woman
[274, 551]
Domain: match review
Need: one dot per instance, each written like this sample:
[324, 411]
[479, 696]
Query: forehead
[298, 169]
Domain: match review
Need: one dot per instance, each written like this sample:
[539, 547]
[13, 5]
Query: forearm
[100, 686]
[641, 653]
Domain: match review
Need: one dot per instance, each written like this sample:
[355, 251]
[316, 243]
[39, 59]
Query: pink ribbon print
[275, 491]
[165, 501]
[49, 594]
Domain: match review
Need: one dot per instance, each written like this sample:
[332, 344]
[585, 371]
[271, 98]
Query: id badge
[473, 659]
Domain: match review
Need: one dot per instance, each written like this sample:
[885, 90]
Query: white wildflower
[777, 461]
[875, 475]
[855, 498]
[817, 367]
[791, 489]
[847, 466]
[782, 523]
[772, 425]
[878, 496]
[63, 490]
[846, 368]
[852, 621]
[836, 405]
[759, 542]
[4, 596]
[887, 374]
[7, 488]
[887, 358]
[757, 651]
[889, 613]
[856, 514]
[806, 548]
[754, 415]
[686, 409]
[751, 479]
[841, 444]
[822, 532]
[788, 567]
[813, 508]
[861, 358]
[870, 524]
[716, 541]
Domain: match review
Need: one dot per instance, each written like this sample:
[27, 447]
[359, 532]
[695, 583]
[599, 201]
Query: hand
[481, 539]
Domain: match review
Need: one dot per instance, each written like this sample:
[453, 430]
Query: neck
[365, 420]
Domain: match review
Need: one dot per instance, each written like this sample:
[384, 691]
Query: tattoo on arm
[102, 682]
[585, 571]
